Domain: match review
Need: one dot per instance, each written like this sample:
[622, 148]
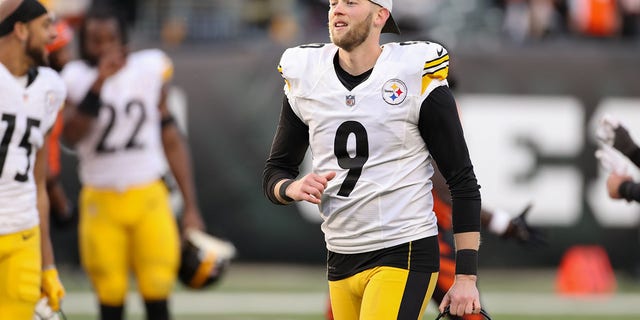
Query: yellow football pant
[20, 274]
[134, 229]
[382, 293]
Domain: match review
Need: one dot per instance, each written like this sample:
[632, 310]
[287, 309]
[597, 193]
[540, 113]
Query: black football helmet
[204, 259]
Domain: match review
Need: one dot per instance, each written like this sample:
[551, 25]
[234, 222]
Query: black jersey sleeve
[287, 150]
[441, 130]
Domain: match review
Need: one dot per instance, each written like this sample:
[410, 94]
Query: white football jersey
[124, 147]
[369, 136]
[26, 115]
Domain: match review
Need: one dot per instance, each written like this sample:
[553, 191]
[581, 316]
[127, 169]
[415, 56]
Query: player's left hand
[192, 219]
[463, 296]
[52, 288]
[521, 231]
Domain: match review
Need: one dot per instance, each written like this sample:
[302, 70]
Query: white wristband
[499, 223]
[48, 267]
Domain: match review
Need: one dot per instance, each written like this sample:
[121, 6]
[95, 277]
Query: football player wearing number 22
[374, 117]
[121, 127]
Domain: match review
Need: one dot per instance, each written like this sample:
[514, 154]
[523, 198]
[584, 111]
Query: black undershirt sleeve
[630, 191]
[287, 150]
[441, 130]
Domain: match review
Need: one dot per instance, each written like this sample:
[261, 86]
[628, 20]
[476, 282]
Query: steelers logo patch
[394, 92]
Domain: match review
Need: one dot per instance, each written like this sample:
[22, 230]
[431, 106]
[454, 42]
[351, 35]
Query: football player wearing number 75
[30, 98]
[121, 127]
[374, 117]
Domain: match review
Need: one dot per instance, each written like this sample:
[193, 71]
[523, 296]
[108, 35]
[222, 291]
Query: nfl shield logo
[350, 100]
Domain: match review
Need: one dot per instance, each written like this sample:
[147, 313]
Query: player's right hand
[310, 187]
[111, 61]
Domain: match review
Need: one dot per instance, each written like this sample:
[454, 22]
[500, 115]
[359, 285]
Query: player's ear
[21, 30]
[380, 16]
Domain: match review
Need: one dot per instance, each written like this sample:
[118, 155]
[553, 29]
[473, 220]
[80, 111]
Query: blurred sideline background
[532, 79]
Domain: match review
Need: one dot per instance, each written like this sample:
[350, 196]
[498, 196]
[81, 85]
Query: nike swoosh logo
[440, 51]
[27, 236]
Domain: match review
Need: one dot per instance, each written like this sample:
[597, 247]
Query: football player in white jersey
[121, 128]
[612, 133]
[30, 98]
[374, 116]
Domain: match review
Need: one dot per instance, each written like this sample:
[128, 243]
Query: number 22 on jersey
[138, 117]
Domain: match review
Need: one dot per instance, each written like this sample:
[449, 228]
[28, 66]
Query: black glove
[525, 234]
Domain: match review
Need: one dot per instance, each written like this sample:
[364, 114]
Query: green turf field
[293, 292]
